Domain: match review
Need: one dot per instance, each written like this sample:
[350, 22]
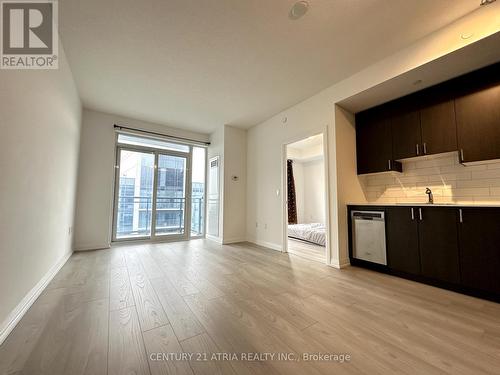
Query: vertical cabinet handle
[412, 214]
[425, 148]
[420, 213]
[389, 161]
[461, 155]
[418, 149]
[461, 215]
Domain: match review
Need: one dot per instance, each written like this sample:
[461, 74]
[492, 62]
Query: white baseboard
[228, 241]
[213, 238]
[91, 247]
[269, 245]
[15, 316]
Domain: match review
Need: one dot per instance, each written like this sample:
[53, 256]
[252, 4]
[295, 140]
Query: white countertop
[484, 205]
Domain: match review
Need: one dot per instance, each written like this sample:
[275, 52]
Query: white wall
[229, 144]
[235, 164]
[301, 154]
[349, 187]
[264, 169]
[265, 141]
[314, 191]
[94, 204]
[309, 177]
[40, 117]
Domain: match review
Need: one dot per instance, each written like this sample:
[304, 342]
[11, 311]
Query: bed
[311, 232]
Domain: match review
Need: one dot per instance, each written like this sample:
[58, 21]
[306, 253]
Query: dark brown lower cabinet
[402, 240]
[423, 241]
[479, 234]
[451, 247]
[438, 243]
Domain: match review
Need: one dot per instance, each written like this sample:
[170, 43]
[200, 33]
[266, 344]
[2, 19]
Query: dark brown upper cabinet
[462, 114]
[439, 128]
[406, 132]
[478, 125]
[374, 142]
[424, 124]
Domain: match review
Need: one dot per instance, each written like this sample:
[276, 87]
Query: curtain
[292, 202]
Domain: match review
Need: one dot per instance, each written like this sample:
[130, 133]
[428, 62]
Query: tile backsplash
[449, 181]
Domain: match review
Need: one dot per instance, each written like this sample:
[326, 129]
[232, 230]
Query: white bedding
[311, 232]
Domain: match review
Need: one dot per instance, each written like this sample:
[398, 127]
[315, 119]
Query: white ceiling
[200, 64]
[476, 55]
[307, 143]
[307, 149]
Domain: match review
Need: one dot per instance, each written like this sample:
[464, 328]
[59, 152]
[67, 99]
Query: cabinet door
[478, 125]
[439, 127]
[373, 142]
[480, 248]
[402, 240]
[406, 134]
[438, 243]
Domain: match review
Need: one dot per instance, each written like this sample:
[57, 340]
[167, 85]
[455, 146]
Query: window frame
[188, 196]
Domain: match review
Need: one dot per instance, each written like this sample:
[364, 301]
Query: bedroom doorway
[305, 199]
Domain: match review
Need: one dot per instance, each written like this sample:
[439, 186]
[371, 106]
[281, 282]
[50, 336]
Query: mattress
[311, 232]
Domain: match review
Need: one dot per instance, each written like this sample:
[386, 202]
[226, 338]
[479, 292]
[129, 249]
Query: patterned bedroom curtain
[292, 202]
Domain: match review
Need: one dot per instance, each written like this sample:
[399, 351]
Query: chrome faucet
[429, 193]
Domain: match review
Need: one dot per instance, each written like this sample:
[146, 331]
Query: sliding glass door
[171, 202]
[134, 195]
[159, 190]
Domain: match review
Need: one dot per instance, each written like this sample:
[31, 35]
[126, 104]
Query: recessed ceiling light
[298, 10]
[466, 35]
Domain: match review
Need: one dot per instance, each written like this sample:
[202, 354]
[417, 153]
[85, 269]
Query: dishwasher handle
[367, 215]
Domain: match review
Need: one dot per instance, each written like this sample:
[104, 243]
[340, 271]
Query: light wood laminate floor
[112, 312]
[307, 250]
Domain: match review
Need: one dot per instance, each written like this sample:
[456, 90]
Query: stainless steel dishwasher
[368, 236]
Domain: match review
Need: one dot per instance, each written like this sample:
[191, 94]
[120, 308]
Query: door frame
[219, 192]
[284, 189]
[188, 186]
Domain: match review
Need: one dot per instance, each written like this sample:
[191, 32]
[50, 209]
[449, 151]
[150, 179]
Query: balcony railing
[134, 216]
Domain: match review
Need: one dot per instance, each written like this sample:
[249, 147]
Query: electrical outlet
[265, 226]
[70, 230]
